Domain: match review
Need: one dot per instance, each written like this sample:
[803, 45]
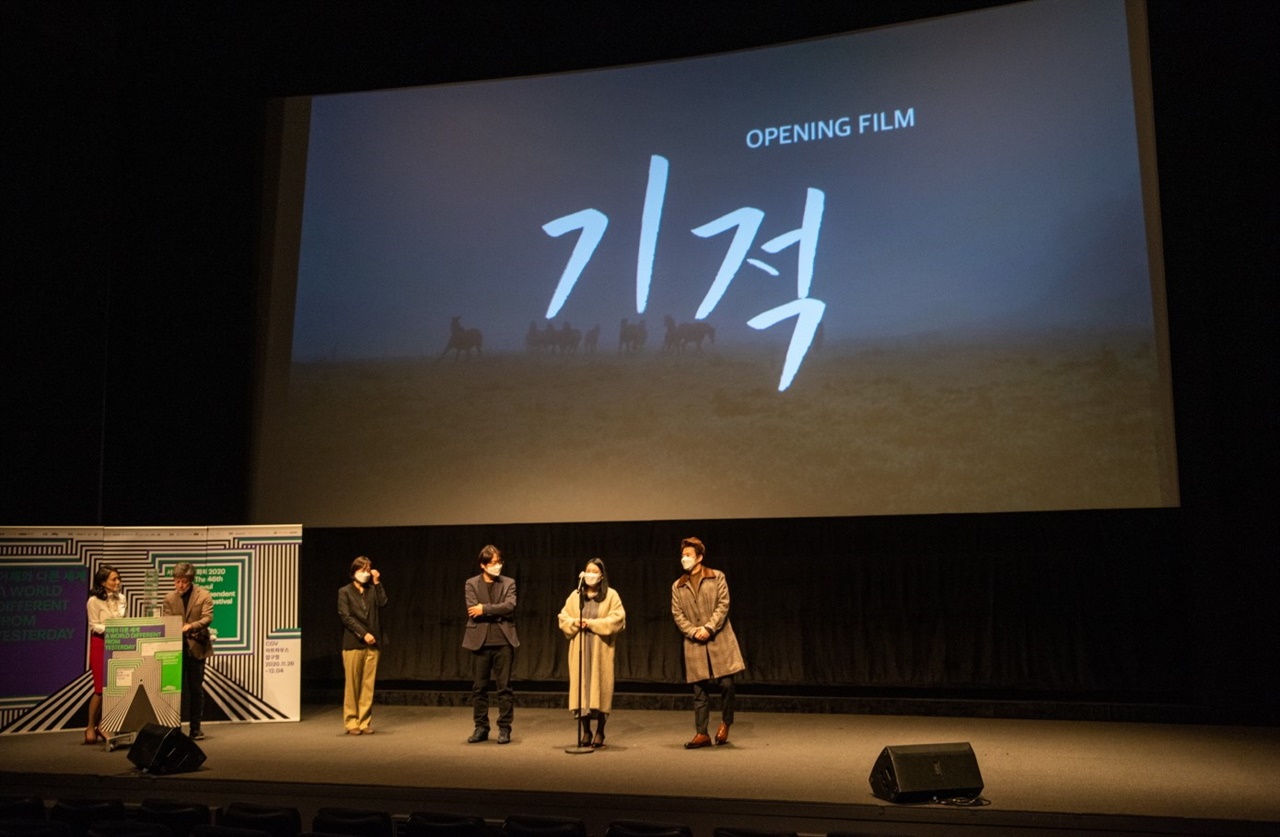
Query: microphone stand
[577, 749]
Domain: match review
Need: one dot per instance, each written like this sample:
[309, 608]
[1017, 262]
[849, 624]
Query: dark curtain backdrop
[1084, 604]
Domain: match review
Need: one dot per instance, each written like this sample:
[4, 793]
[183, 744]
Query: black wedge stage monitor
[908, 270]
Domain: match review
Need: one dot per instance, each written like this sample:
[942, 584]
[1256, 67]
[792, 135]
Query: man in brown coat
[700, 607]
[195, 606]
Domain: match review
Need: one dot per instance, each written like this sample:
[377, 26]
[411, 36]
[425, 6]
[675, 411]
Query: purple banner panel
[43, 629]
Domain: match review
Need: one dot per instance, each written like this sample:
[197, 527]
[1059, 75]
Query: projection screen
[909, 270]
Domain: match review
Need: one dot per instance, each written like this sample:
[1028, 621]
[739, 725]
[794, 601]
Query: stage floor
[799, 772]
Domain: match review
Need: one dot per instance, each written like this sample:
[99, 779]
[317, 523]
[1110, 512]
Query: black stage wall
[130, 262]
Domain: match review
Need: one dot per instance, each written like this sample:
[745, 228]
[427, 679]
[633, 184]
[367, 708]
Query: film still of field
[912, 428]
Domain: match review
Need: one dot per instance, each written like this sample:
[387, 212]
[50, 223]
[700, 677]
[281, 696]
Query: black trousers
[702, 701]
[492, 662]
[193, 688]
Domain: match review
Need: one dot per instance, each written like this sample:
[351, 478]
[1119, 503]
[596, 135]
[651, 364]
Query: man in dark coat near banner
[195, 606]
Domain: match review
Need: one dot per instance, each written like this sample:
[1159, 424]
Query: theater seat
[749, 832]
[276, 820]
[17, 827]
[181, 817]
[647, 828]
[353, 821]
[79, 813]
[22, 808]
[435, 824]
[128, 828]
[532, 825]
[227, 831]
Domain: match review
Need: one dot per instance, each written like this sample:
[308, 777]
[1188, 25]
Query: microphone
[582, 579]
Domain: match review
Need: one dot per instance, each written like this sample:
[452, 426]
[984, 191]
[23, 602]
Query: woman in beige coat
[593, 631]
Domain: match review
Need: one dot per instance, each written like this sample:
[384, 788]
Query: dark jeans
[193, 688]
[702, 702]
[492, 661]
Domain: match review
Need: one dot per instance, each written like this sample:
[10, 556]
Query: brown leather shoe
[698, 741]
[722, 734]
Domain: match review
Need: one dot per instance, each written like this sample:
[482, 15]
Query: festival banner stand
[251, 572]
[143, 676]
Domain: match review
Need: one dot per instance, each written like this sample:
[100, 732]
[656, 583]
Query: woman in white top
[105, 602]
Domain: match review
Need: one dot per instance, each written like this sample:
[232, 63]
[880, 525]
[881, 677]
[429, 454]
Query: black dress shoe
[504, 736]
[481, 734]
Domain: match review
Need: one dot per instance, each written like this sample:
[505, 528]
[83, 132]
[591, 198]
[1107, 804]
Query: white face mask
[687, 561]
[362, 576]
[494, 570]
[592, 579]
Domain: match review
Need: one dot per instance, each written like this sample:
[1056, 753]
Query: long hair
[100, 577]
[603, 589]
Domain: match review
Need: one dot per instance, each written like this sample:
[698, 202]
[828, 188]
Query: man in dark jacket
[491, 638]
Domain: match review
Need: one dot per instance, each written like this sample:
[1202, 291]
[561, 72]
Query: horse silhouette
[695, 333]
[533, 339]
[669, 338]
[632, 336]
[679, 336]
[567, 339]
[463, 340]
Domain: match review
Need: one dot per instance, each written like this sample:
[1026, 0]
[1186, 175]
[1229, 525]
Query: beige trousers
[361, 666]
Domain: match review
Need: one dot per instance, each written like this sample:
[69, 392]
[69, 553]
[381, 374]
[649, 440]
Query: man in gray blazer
[491, 638]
